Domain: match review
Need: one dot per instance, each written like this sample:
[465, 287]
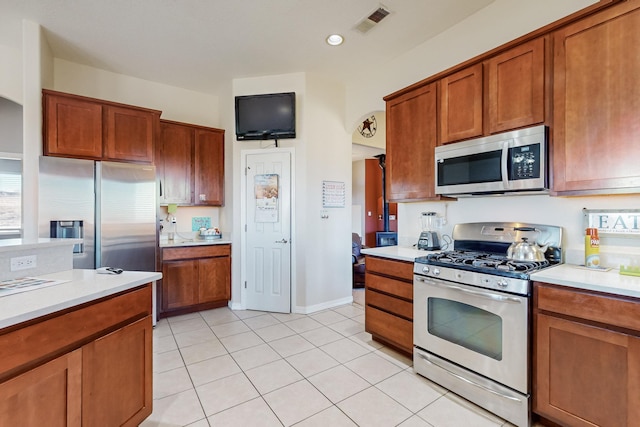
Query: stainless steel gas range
[472, 311]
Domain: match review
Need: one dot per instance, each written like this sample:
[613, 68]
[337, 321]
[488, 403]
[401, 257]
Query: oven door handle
[468, 381]
[481, 294]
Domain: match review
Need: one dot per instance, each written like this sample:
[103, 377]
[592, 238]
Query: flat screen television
[268, 116]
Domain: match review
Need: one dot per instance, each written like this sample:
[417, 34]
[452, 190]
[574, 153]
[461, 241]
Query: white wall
[36, 66]
[565, 212]
[498, 23]
[11, 73]
[321, 260]
[175, 103]
[10, 127]
[328, 275]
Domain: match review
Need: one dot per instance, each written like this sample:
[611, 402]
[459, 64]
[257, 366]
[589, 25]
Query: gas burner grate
[483, 261]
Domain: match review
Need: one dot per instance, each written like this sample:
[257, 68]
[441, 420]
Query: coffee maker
[429, 239]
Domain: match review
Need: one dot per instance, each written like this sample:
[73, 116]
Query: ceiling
[201, 44]
[197, 44]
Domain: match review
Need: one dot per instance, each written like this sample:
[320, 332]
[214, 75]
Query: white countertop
[196, 241]
[595, 280]
[401, 253]
[82, 286]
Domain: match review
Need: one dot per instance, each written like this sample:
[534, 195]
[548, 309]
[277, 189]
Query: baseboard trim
[326, 305]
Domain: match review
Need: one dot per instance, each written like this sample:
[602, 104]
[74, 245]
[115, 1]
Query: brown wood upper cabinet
[597, 103]
[507, 91]
[461, 104]
[190, 164]
[411, 140]
[87, 128]
[516, 80]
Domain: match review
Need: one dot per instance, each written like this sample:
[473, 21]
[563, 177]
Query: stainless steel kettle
[525, 251]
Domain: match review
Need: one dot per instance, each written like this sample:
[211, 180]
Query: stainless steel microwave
[507, 163]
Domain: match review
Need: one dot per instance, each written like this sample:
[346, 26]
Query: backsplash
[49, 259]
[565, 212]
[188, 217]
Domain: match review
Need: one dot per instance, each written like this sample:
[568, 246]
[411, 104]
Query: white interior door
[268, 231]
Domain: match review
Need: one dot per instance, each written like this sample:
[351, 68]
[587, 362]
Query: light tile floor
[249, 368]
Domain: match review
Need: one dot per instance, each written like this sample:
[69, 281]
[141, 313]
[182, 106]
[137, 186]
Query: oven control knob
[436, 271]
[503, 283]
[425, 269]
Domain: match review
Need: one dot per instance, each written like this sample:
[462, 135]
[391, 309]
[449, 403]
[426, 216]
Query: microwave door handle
[503, 164]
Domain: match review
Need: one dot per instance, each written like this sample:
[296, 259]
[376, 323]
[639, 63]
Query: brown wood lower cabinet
[48, 395]
[587, 357]
[389, 302]
[195, 278]
[116, 376]
[86, 366]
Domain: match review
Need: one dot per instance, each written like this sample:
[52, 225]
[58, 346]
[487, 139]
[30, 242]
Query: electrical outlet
[23, 262]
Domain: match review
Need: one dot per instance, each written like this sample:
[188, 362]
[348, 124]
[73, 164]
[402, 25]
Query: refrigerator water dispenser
[72, 229]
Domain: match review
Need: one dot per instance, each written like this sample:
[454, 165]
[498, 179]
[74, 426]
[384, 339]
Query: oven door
[482, 330]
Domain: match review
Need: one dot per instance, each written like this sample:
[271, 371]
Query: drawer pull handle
[468, 381]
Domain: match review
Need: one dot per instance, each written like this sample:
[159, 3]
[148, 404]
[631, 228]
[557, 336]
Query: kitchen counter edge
[580, 277]
[81, 286]
[192, 242]
[400, 253]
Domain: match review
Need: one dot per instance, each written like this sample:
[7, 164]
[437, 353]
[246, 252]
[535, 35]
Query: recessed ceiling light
[335, 39]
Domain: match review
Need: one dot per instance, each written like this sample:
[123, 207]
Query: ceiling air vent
[370, 21]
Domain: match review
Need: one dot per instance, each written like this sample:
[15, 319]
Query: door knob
[282, 241]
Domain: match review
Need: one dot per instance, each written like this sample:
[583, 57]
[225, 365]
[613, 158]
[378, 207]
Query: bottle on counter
[592, 248]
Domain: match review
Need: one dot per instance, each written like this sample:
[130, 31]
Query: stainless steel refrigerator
[111, 206]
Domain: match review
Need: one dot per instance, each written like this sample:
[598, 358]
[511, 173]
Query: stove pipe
[385, 205]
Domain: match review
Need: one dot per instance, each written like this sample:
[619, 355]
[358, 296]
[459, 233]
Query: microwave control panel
[524, 162]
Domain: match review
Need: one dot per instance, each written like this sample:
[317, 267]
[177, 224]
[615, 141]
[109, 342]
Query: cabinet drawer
[399, 269]
[191, 252]
[390, 304]
[612, 310]
[389, 286]
[389, 327]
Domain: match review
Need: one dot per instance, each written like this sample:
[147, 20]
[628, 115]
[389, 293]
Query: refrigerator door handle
[160, 188]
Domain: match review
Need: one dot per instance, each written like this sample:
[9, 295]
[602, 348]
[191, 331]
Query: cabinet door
[174, 166]
[209, 168]
[461, 105]
[585, 375]
[597, 102]
[116, 387]
[129, 134]
[48, 395]
[72, 127]
[517, 87]
[411, 141]
[214, 279]
[179, 284]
